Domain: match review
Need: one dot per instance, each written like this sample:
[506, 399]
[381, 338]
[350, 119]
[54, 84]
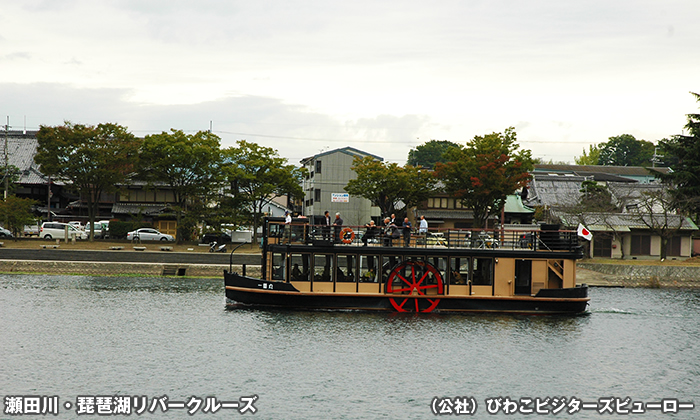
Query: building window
[458, 204]
[318, 166]
[640, 245]
[317, 195]
[437, 203]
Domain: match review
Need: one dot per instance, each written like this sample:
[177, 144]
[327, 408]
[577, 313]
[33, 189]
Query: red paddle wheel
[412, 281]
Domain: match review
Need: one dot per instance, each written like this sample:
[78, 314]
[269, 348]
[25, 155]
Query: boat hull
[248, 291]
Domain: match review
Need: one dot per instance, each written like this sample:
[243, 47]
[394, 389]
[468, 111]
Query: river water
[157, 342]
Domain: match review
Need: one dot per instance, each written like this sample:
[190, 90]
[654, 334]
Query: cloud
[293, 129]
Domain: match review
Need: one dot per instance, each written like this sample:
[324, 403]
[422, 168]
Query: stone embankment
[123, 262]
[624, 275]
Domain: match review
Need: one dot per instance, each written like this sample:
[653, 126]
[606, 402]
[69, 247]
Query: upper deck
[526, 242]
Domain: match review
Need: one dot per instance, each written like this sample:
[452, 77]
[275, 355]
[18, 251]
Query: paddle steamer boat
[457, 270]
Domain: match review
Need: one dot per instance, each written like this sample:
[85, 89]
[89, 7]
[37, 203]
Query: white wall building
[329, 173]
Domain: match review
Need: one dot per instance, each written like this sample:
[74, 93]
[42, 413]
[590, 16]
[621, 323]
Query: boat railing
[504, 239]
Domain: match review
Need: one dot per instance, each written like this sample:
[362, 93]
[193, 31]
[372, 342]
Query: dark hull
[257, 292]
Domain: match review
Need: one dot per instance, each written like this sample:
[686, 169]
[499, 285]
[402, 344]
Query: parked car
[218, 237]
[78, 225]
[31, 230]
[4, 233]
[56, 230]
[148, 234]
[99, 230]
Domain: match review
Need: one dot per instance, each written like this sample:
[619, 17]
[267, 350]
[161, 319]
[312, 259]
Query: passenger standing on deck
[338, 227]
[406, 232]
[287, 227]
[326, 228]
[423, 228]
[390, 231]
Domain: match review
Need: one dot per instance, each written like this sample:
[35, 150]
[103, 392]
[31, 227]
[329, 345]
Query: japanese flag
[584, 233]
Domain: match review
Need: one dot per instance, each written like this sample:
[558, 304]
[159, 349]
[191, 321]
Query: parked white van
[56, 230]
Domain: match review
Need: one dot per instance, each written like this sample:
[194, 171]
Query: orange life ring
[347, 235]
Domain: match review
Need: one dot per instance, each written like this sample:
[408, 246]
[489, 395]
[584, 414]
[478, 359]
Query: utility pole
[7, 178]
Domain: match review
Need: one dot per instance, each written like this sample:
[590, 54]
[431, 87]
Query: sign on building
[340, 197]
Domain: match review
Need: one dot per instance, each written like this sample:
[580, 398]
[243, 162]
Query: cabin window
[640, 245]
[323, 267]
[459, 271]
[368, 268]
[482, 271]
[388, 263]
[301, 267]
[441, 264]
[278, 266]
[346, 268]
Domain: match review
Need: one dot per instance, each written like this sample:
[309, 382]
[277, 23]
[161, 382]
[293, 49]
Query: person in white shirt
[423, 228]
[287, 226]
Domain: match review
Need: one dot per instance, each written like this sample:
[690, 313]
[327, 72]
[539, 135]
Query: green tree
[9, 179]
[484, 172]
[592, 157]
[385, 185]
[596, 198]
[684, 152]
[256, 175]
[428, 154]
[16, 212]
[625, 150]
[92, 159]
[188, 163]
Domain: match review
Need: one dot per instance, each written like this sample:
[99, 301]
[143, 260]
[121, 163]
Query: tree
[386, 185]
[656, 210]
[684, 151]
[93, 159]
[16, 212]
[257, 175]
[429, 153]
[592, 157]
[484, 172]
[596, 198]
[9, 179]
[188, 163]
[625, 150]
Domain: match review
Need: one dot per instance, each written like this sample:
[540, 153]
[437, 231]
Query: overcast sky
[380, 76]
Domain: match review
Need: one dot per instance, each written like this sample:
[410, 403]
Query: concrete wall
[640, 275]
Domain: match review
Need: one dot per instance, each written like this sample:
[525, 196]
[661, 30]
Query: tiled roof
[136, 208]
[636, 171]
[554, 191]
[620, 221]
[347, 150]
[21, 149]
